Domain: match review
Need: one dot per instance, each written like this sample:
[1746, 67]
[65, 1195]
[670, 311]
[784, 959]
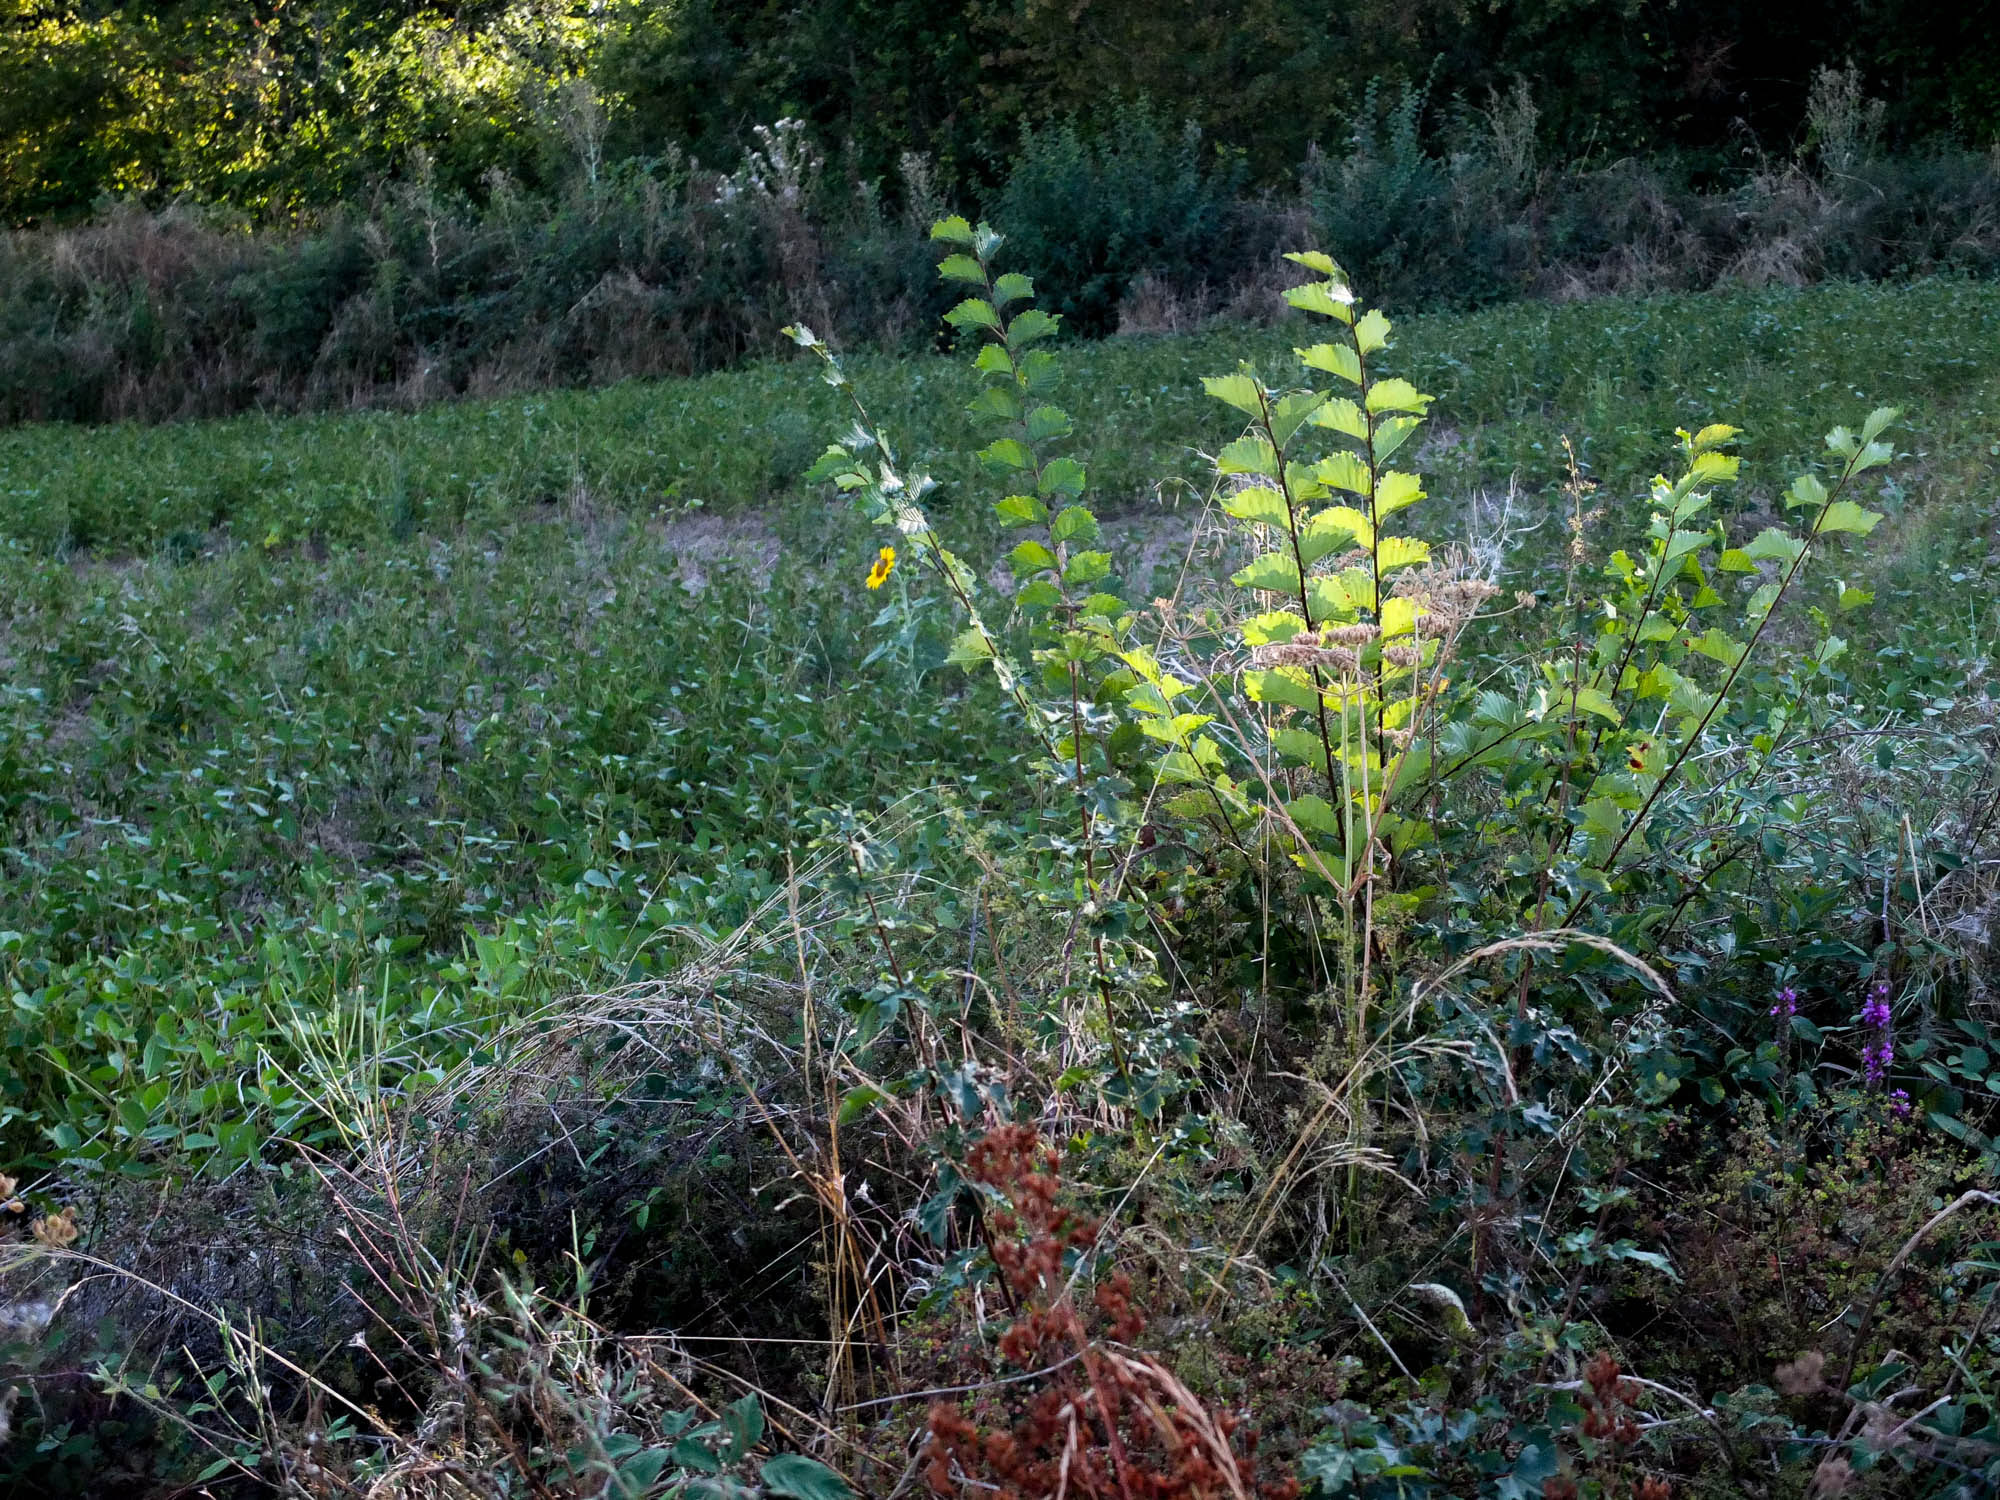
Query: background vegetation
[1163, 885]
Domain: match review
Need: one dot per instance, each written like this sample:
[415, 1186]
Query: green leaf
[1274, 572]
[962, 268]
[1240, 391]
[1334, 359]
[1396, 394]
[1401, 552]
[1012, 287]
[1021, 510]
[1336, 529]
[1390, 434]
[1260, 504]
[796, 1477]
[970, 647]
[1250, 454]
[1087, 567]
[1062, 476]
[1735, 560]
[1342, 415]
[1001, 402]
[1328, 299]
[1395, 490]
[1315, 813]
[1030, 326]
[1845, 515]
[639, 1473]
[1007, 453]
[1805, 490]
[1047, 422]
[1715, 435]
[1280, 686]
[1371, 331]
[1317, 260]
[1291, 412]
[857, 1101]
[952, 230]
[1593, 701]
[1037, 595]
[1343, 471]
[1030, 557]
[1074, 524]
[974, 312]
[1773, 544]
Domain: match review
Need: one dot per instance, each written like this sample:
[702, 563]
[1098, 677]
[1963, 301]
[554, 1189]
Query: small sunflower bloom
[885, 564]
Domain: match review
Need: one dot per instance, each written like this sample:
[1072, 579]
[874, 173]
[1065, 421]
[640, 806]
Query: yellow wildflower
[885, 564]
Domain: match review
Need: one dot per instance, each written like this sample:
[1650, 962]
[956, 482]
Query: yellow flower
[885, 564]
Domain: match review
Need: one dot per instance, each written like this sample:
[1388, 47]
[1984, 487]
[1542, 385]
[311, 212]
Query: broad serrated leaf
[1007, 454]
[1301, 745]
[1319, 261]
[1845, 515]
[1773, 544]
[1282, 685]
[1062, 476]
[970, 647]
[1260, 504]
[952, 230]
[1315, 814]
[1344, 471]
[1339, 528]
[1397, 394]
[1074, 524]
[1086, 568]
[962, 268]
[1327, 298]
[1273, 626]
[1048, 422]
[974, 312]
[1021, 510]
[1340, 414]
[1030, 557]
[1591, 700]
[1250, 454]
[1274, 572]
[1715, 435]
[1334, 359]
[1401, 552]
[1012, 287]
[1371, 331]
[1000, 402]
[1805, 490]
[1031, 325]
[1239, 390]
[1289, 413]
[1390, 434]
[1395, 490]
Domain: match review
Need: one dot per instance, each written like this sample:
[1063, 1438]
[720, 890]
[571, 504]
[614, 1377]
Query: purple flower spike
[1788, 1003]
[1879, 1051]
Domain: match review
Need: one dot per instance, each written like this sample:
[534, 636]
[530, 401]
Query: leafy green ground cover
[330, 747]
[407, 722]
[1510, 382]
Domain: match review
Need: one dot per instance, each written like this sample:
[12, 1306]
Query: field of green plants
[367, 775]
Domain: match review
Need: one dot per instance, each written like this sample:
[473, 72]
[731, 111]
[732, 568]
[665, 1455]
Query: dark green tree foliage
[280, 104]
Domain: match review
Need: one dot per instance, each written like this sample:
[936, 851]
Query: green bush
[1089, 210]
